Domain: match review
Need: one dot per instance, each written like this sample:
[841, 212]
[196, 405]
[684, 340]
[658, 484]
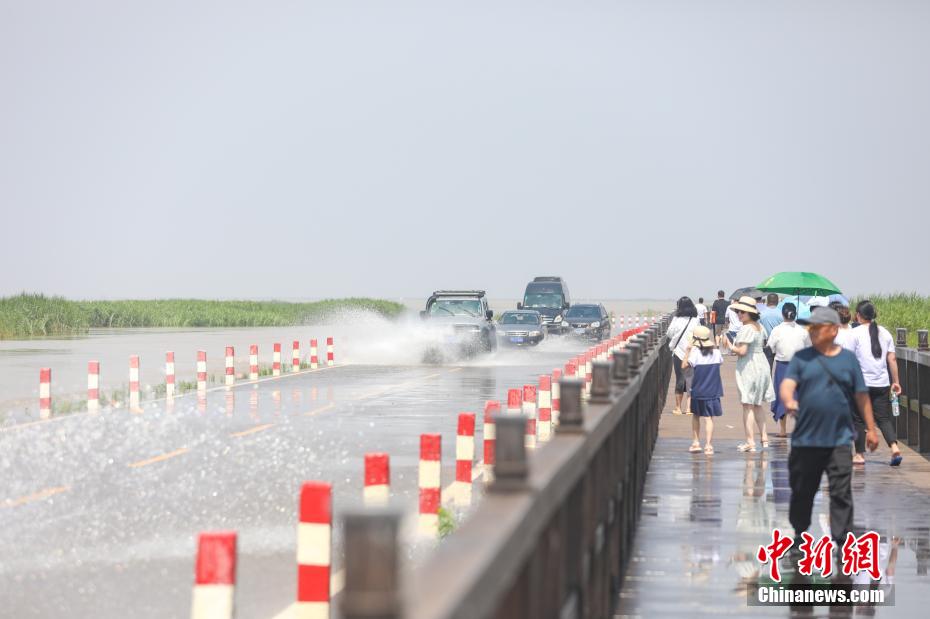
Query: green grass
[36, 315]
[904, 309]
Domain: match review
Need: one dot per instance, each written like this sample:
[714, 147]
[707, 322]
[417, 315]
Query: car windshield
[455, 307]
[519, 319]
[583, 311]
[542, 300]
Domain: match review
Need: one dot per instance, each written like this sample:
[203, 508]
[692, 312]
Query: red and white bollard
[464, 456]
[330, 357]
[514, 401]
[169, 375]
[430, 483]
[201, 371]
[314, 358]
[230, 366]
[544, 424]
[529, 411]
[276, 360]
[571, 368]
[253, 362]
[93, 386]
[295, 356]
[588, 358]
[556, 395]
[488, 433]
[134, 383]
[314, 550]
[45, 393]
[377, 489]
[215, 576]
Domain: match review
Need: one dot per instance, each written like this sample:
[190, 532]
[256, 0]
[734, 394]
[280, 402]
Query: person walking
[734, 324]
[785, 340]
[701, 312]
[829, 386]
[753, 378]
[679, 336]
[719, 310]
[769, 318]
[706, 387]
[874, 348]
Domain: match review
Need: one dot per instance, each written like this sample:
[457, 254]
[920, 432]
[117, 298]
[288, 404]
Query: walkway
[704, 517]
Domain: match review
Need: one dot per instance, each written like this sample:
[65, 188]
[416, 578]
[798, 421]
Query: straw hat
[745, 304]
[702, 337]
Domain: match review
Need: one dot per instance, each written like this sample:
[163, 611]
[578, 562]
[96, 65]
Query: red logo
[861, 555]
[819, 555]
[773, 552]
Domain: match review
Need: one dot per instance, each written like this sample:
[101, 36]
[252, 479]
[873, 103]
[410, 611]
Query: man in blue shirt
[828, 384]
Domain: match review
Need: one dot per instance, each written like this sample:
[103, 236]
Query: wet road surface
[99, 511]
[704, 518]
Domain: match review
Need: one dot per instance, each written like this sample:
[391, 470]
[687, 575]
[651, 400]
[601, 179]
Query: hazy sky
[307, 149]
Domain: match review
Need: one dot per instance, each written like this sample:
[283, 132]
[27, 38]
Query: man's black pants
[806, 466]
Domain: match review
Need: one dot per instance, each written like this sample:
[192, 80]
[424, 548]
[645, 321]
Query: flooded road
[100, 511]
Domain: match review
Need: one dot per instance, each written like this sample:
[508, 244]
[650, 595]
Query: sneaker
[743, 447]
[896, 460]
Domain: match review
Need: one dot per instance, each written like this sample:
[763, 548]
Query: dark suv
[588, 320]
[549, 296]
[463, 320]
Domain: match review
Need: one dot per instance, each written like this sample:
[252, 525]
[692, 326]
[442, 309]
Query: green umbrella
[798, 283]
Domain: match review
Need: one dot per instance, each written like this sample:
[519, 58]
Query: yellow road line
[36, 496]
[254, 430]
[156, 459]
[322, 409]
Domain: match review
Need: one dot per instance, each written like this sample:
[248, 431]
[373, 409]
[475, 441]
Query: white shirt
[787, 339]
[702, 310]
[844, 338]
[874, 371]
[733, 323]
[679, 334]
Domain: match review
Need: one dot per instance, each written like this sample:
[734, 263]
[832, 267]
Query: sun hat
[702, 337]
[821, 316]
[745, 304]
[818, 302]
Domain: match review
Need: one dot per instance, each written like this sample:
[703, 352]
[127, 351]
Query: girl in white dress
[753, 378]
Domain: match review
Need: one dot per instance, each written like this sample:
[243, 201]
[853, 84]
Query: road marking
[254, 430]
[317, 411]
[336, 584]
[36, 496]
[161, 458]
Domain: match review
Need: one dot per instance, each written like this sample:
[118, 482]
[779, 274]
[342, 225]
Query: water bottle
[895, 405]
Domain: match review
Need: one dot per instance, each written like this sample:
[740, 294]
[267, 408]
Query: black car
[549, 296]
[461, 323]
[588, 320]
[521, 328]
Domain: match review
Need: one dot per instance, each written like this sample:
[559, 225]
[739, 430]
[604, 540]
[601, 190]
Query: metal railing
[913, 424]
[554, 533]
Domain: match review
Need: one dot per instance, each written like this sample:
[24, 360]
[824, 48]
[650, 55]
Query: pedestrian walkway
[704, 518]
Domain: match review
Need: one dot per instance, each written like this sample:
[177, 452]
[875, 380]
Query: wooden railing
[553, 534]
[913, 423]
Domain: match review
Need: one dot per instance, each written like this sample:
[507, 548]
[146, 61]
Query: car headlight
[535, 333]
[557, 318]
[595, 324]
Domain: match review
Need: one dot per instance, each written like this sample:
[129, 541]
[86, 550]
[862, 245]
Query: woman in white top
[874, 347]
[785, 339]
[679, 338]
[753, 375]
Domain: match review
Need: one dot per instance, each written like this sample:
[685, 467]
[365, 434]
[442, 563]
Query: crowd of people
[834, 372]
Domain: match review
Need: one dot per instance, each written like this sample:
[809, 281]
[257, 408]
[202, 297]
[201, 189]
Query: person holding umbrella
[753, 377]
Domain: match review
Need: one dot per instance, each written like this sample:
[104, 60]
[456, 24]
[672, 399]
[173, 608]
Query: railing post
[510, 465]
[636, 355]
[571, 417]
[371, 565]
[902, 337]
[903, 360]
[600, 383]
[621, 376]
[922, 343]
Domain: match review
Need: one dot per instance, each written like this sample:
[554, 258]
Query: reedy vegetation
[36, 315]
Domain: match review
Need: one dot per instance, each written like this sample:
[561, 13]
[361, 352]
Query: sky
[319, 149]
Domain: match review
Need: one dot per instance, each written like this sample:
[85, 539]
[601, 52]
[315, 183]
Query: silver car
[521, 328]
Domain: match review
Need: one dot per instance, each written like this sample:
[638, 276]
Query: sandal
[695, 448]
[896, 459]
[677, 411]
[765, 444]
[709, 450]
[743, 447]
